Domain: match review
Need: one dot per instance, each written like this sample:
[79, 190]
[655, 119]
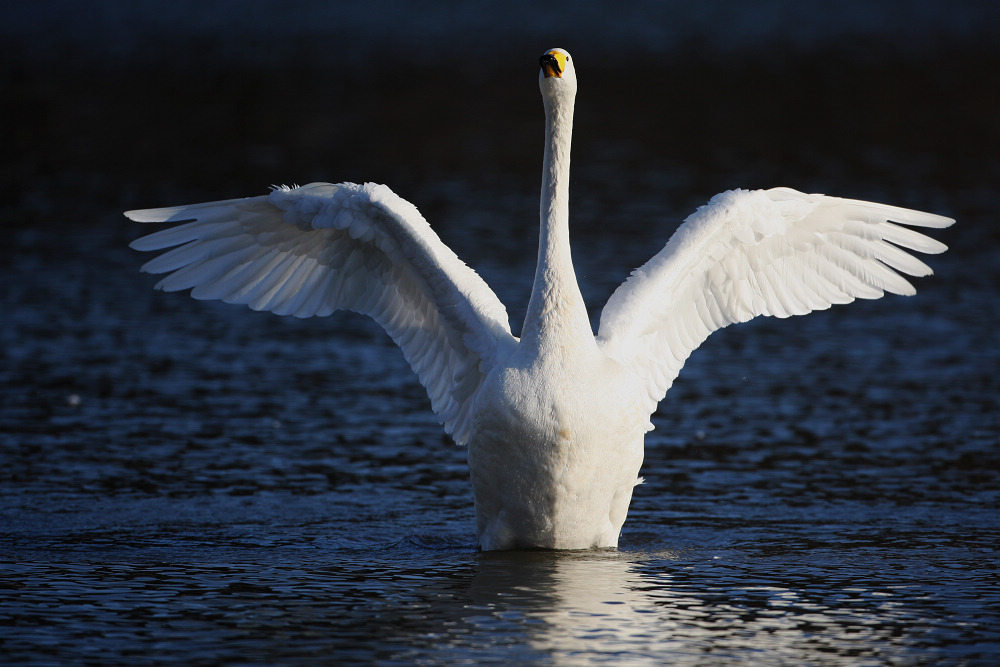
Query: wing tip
[141, 215]
[155, 215]
[922, 219]
[142, 244]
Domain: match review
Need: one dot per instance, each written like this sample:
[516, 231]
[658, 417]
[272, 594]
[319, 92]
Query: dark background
[111, 105]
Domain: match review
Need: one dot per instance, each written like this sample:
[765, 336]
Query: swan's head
[557, 75]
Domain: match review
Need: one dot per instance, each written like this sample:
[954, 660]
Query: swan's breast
[553, 445]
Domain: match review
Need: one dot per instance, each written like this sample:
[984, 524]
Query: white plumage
[555, 420]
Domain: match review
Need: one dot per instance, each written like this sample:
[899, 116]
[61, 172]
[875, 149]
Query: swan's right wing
[765, 252]
[319, 248]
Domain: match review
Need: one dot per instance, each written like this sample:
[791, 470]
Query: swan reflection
[581, 607]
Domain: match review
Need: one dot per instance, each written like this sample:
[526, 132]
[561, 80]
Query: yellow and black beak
[553, 63]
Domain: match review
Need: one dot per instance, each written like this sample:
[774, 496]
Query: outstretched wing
[765, 252]
[319, 248]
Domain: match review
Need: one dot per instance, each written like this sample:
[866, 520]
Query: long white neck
[557, 315]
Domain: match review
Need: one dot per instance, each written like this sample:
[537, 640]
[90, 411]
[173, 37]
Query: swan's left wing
[765, 252]
[319, 248]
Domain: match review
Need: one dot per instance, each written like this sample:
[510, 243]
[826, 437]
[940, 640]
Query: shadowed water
[185, 482]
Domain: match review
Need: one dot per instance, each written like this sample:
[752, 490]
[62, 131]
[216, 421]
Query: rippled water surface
[186, 482]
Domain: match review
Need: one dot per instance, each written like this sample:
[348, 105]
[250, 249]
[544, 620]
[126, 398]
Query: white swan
[555, 420]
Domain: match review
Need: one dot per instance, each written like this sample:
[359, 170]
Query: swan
[555, 420]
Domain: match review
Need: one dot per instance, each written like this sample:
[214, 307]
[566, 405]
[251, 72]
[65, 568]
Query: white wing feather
[747, 253]
[319, 248]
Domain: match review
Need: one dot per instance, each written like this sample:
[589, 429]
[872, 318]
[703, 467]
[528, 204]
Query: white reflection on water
[575, 604]
[581, 608]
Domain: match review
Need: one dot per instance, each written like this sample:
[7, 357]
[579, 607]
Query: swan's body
[555, 420]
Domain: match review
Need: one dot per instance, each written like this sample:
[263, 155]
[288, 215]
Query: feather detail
[749, 253]
[319, 248]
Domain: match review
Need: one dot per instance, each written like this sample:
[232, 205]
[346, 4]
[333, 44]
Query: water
[411, 604]
[186, 482]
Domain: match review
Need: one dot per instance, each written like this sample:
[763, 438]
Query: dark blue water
[186, 482]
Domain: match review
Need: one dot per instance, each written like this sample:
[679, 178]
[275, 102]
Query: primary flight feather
[554, 420]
